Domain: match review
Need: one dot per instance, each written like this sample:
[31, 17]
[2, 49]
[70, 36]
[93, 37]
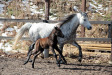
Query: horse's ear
[75, 8]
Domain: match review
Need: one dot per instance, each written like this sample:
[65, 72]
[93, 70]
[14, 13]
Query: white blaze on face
[83, 20]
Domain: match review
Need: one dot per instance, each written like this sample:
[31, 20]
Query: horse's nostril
[89, 28]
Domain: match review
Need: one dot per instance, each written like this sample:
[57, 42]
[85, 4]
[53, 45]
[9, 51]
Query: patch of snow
[41, 9]
[52, 18]
[12, 17]
[9, 48]
[4, 34]
[1, 45]
[25, 2]
[1, 8]
[90, 8]
[31, 3]
[15, 27]
[9, 29]
[1, 23]
[34, 7]
[100, 7]
[92, 5]
[94, 2]
[106, 9]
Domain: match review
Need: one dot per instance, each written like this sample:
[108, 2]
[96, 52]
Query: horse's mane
[67, 19]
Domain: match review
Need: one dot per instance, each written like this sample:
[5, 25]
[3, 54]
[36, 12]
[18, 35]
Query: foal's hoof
[79, 59]
[24, 64]
[61, 62]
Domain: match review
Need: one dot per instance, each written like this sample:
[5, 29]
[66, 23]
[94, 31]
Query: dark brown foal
[45, 43]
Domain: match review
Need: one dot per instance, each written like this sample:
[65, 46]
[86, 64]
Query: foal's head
[57, 31]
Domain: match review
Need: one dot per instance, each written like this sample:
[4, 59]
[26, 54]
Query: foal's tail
[20, 33]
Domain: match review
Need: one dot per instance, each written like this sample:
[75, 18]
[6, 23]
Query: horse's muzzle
[89, 28]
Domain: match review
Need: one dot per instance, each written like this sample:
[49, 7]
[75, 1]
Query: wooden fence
[109, 23]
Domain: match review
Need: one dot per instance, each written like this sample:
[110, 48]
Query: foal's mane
[67, 19]
[52, 33]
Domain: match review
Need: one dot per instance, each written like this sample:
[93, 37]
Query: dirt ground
[13, 65]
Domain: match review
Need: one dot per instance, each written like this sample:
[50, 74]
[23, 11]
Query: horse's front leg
[80, 50]
[54, 53]
[61, 55]
[61, 49]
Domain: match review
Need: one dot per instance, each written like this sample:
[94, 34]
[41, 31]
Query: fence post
[47, 7]
[109, 31]
[111, 42]
[83, 10]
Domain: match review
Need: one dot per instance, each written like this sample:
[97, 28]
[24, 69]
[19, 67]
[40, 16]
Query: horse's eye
[84, 19]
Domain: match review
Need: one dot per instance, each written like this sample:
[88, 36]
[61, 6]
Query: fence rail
[35, 20]
[77, 39]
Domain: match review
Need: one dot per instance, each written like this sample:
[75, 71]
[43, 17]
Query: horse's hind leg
[30, 49]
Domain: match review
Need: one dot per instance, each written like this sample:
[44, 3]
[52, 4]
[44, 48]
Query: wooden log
[105, 47]
[97, 45]
[93, 53]
[97, 48]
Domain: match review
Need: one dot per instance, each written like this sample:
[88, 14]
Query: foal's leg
[54, 53]
[31, 48]
[80, 50]
[60, 53]
[35, 56]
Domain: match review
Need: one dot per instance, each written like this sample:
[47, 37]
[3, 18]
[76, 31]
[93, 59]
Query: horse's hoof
[79, 59]
[33, 67]
[65, 63]
[58, 65]
[30, 60]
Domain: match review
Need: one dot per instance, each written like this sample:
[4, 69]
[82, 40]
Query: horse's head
[83, 19]
[58, 32]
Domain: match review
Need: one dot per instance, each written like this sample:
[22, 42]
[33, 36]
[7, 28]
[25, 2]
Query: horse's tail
[20, 33]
